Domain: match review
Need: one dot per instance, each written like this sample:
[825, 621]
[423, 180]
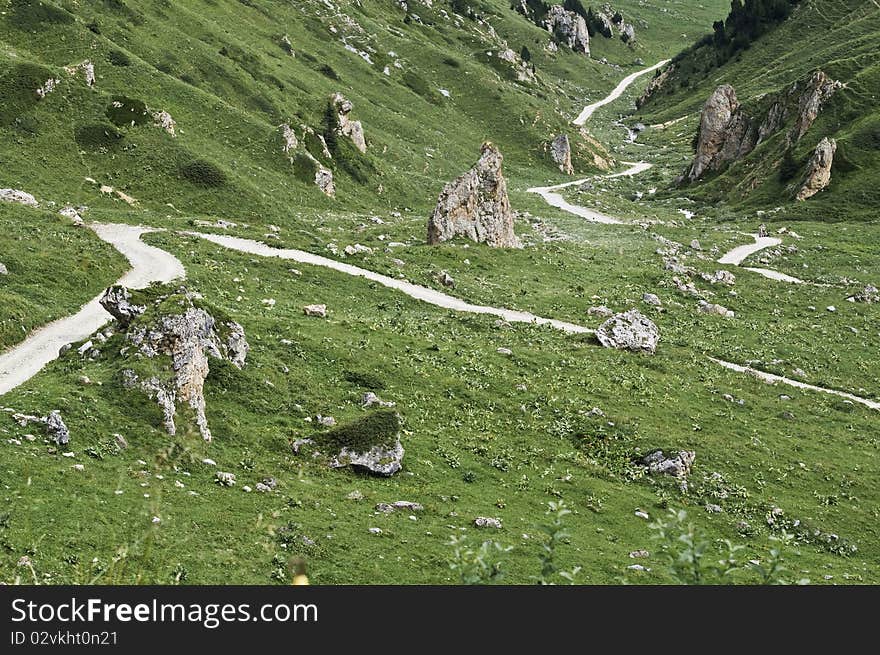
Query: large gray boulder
[56, 428]
[818, 174]
[378, 460]
[476, 206]
[371, 444]
[21, 197]
[630, 330]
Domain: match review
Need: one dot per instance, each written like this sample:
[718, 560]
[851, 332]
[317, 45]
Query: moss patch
[377, 429]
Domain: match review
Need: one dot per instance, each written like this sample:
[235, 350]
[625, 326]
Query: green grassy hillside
[486, 433]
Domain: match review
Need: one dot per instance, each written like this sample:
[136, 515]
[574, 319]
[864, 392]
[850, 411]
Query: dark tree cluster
[747, 21]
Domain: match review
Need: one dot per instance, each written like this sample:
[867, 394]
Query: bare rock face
[716, 120]
[344, 125]
[87, 68]
[560, 151]
[173, 327]
[629, 331]
[818, 175]
[817, 91]
[569, 28]
[21, 197]
[476, 206]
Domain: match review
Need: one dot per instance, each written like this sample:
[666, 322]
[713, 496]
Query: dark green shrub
[419, 86]
[127, 111]
[364, 380]
[118, 58]
[97, 136]
[203, 173]
[789, 167]
[375, 429]
[327, 71]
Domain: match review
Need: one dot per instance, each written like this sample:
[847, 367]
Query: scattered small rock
[320, 311]
[487, 522]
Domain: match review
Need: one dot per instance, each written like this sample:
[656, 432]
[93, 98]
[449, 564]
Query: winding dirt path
[412, 290]
[772, 378]
[554, 199]
[587, 112]
[148, 264]
[739, 254]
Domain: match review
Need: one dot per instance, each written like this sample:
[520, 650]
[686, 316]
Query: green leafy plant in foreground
[556, 535]
[476, 566]
[690, 558]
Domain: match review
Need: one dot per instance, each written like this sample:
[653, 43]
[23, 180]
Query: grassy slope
[837, 36]
[476, 444]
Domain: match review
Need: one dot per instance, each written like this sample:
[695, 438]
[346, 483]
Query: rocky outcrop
[814, 94]
[21, 197]
[560, 151]
[319, 311]
[718, 122]
[568, 28]
[476, 206]
[727, 133]
[53, 423]
[324, 181]
[47, 87]
[176, 328]
[116, 301]
[73, 213]
[629, 331]
[370, 444]
[523, 71]
[3, 269]
[164, 120]
[341, 109]
[289, 142]
[56, 428]
[487, 522]
[870, 294]
[678, 465]
[86, 68]
[706, 307]
[818, 175]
